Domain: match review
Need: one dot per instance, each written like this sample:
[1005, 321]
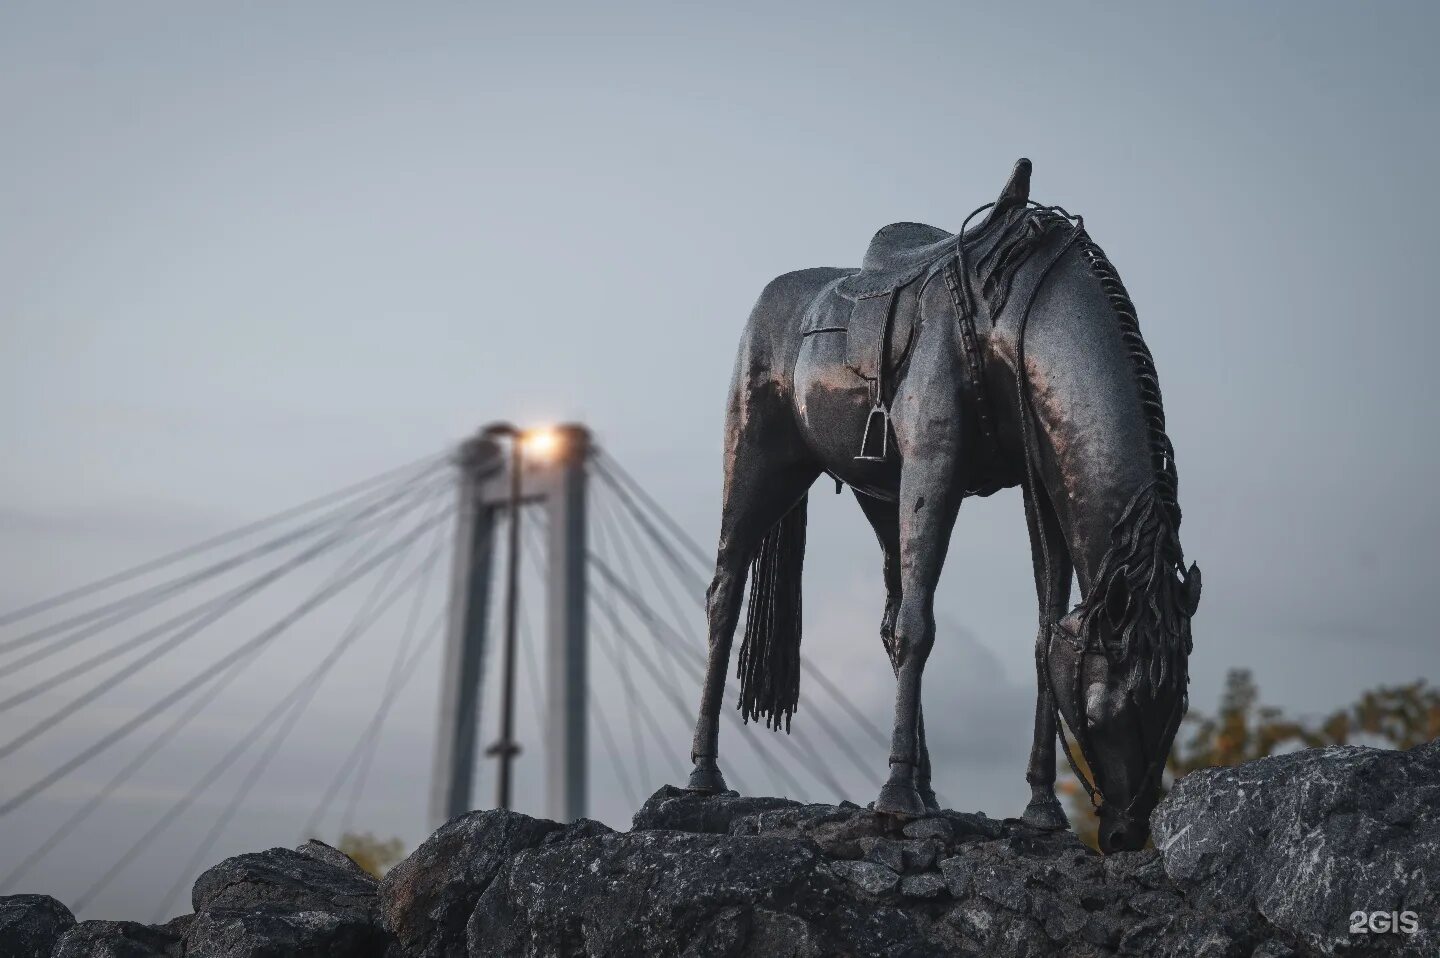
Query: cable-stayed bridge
[144, 713]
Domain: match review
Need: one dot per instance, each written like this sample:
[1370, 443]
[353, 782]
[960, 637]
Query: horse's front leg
[927, 516]
[927, 426]
[884, 518]
[1052, 589]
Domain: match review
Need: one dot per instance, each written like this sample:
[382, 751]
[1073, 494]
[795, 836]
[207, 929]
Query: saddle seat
[901, 247]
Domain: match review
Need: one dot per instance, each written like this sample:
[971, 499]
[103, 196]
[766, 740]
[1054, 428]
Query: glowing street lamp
[541, 443]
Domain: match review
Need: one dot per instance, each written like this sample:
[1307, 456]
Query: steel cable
[197, 618]
[197, 705]
[126, 575]
[303, 694]
[127, 607]
[268, 635]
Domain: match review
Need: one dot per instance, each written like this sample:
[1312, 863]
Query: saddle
[878, 309]
[878, 306]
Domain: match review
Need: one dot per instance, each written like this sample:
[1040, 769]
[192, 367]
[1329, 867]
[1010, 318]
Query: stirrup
[880, 413]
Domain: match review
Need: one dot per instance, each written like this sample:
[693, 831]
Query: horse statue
[950, 366]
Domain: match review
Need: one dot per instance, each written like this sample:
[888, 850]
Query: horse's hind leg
[884, 518]
[1054, 595]
[767, 470]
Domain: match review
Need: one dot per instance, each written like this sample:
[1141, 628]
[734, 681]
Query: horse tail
[770, 653]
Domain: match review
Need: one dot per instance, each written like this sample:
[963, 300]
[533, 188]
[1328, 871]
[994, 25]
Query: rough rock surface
[1266, 860]
[299, 902]
[1309, 838]
[31, 924]
[427, 899]
[116, 939]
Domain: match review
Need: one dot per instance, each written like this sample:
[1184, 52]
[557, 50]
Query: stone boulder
[312, 901]
[427, 899]
[1309, 839]
[31, 924]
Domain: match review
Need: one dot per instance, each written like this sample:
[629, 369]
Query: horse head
[1117, 666]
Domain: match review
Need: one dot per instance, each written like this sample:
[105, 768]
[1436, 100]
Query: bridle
[1156, 766]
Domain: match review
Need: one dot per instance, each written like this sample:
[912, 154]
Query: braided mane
[1141, 589]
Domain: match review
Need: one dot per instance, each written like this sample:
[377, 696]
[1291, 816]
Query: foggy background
[252, 254]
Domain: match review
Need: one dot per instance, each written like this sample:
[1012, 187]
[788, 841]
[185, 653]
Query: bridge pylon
[552, 476]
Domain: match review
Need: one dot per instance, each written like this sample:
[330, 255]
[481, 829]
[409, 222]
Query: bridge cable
[668, 592]
[609, 632]
[127, 607]
[821, 719]
[534, 547]
[394, 681]
[198, 704]
[622, 668]
[126, 575]
[192, 621]
[620, 478]
[695, 663]
[370, 610]
[831, 688]
[618, 530]
[607, 740]
[372, 730]
[258, 641]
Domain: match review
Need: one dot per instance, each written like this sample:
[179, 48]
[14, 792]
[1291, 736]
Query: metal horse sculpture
[952, 366]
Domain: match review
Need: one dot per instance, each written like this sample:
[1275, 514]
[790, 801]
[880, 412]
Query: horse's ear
[1017, 188]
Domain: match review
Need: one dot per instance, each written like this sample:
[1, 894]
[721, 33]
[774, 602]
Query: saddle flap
[878, 330]
[867, 334]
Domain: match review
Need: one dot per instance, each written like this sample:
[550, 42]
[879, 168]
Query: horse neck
[1095, 401]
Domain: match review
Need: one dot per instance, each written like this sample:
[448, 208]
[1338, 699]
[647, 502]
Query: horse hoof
[902, 801]
[705, 778]
[1045, 814]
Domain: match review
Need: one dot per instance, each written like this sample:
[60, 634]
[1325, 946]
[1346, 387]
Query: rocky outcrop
[814, 880]
[1266, 860]
[305, 902]
[1312, 839]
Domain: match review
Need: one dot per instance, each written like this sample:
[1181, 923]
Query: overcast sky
[252, 254]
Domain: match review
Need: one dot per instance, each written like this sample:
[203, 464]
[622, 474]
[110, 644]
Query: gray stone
[31, 924]
[116, 939]
[330, 855]
[920, 855]
[285, 901]
[1307, 838]
[675, 808]
[285, 878]
[923, 885]
[871, 876]
[933, 827]
[426, 901]
[884, 851]
[956, 872]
